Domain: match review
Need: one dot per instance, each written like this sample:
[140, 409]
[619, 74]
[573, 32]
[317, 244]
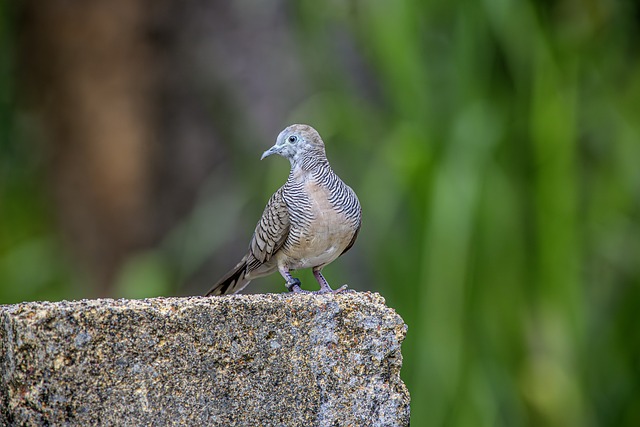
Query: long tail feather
[232, 282]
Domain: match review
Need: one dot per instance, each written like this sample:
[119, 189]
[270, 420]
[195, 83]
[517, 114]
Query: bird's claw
[341, 289]
[294, 286]
[328, 290]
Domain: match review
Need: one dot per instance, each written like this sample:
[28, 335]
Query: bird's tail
[232, 282]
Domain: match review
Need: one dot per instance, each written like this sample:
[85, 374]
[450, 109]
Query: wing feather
[272, 229]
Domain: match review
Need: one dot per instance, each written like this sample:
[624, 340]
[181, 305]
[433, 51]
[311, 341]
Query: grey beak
[270, 151]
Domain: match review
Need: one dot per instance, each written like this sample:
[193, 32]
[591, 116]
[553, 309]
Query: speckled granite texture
[242, 360]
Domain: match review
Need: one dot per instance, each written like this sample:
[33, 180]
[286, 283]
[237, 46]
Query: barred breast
[325, 216]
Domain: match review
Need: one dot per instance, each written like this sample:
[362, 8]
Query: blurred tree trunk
[89, 72]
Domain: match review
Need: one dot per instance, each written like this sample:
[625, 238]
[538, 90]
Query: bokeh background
[494, 145]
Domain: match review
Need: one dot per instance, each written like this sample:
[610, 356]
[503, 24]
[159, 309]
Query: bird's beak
[273, 150]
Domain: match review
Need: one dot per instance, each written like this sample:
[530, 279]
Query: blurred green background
[494, 146]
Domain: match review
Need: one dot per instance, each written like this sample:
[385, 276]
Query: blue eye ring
[292, 139]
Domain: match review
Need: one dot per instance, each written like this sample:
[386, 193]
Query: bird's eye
[293, 139]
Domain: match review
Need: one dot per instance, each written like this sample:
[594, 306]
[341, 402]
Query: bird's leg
[292, 284]
[324, 285]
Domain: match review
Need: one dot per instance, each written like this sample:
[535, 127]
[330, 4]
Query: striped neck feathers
[310, 160]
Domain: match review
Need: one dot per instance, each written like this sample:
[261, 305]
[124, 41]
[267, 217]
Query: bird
[308, 222]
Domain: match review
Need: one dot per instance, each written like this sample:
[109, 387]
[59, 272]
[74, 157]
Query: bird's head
[297, 143]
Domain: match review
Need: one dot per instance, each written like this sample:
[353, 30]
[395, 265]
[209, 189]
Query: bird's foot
[294, 286]
[327, 290]
[341, 289]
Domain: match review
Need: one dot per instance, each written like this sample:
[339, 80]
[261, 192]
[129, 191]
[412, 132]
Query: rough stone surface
[241, 360]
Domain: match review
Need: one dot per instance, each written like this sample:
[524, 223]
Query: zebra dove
[308, 223]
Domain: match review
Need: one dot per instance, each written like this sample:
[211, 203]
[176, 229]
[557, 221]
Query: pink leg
[324, 285]
[292, 284]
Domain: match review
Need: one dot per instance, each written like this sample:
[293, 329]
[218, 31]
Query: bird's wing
[353, 239]
[272, 229]
[359, 224]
